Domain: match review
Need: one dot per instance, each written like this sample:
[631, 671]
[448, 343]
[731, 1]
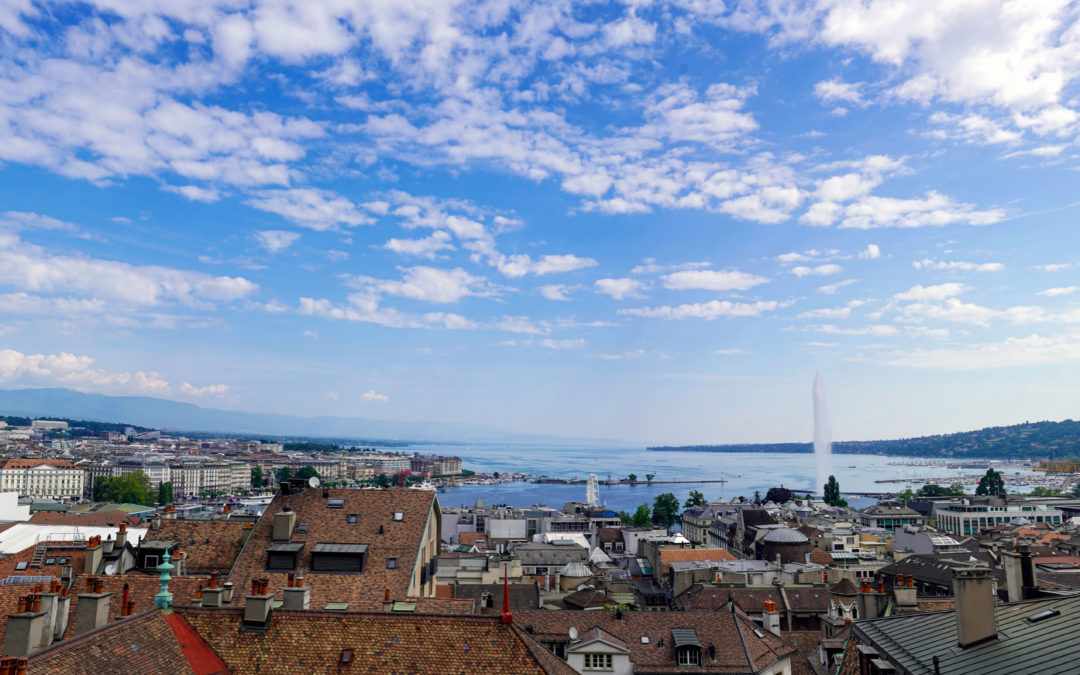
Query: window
[283, 557]
[689, 657]
[557, 648]
[353, 517]
[399, 516]
[348, 558]
[598, 662]
[336, 503]
[391, 563]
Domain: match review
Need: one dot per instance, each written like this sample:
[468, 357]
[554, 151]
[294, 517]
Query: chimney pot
[386, 597]
[130, 607]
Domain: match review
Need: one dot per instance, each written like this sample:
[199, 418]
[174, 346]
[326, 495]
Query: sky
[653, 221]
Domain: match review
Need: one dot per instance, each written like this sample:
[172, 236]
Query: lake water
[745, 473]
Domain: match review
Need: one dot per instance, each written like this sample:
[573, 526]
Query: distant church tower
[592, 491]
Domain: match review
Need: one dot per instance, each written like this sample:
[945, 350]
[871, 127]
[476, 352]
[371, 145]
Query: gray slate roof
[1047, 646]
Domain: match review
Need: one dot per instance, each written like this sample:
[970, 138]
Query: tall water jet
[822, 436]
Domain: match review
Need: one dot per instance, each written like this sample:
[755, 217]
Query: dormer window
[598, 662]
[344, 558]
[689, 656]
[283, 557]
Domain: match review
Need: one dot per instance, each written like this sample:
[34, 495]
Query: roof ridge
[110, 627]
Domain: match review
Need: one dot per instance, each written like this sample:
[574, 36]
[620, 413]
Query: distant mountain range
[1030, 440]
[175, 416]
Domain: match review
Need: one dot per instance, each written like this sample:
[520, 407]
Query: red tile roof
[670, 555]
[375, 509]
[209, 545]
[111, 518]
[312, 642]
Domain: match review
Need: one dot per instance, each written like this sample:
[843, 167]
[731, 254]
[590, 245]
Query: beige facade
[45, 479]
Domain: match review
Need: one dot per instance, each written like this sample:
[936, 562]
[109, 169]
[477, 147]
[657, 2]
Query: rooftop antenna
[573, 634]
[313, 481]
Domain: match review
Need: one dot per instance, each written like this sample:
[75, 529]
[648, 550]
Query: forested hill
[1035, 440]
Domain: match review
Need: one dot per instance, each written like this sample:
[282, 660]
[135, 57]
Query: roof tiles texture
[375, 508]
[312, 642]
[210, 545]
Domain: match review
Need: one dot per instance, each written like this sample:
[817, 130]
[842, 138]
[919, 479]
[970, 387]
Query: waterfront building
[697, 520]
[968, 516]
[890, 516]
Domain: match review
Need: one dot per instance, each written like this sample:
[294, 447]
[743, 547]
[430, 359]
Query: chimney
[121, 537]
[506, 617]
[92, 611]
[1027, 573]
[155, 522]
[24, 628]
[49, 602]
[871, 602]
[905, 594]
[108, 544]
[63, 611]
[94, 553]
[387, 604]
[771, 618]
[284, 521]
[975, 611]
[297, 597]
[227, 592]
[257, 606]
[1014, 580]
[213, 593]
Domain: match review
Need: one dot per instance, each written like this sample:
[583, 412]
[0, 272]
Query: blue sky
[646, 220]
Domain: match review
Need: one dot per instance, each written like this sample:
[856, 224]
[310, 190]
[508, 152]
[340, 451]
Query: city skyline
[646, 221]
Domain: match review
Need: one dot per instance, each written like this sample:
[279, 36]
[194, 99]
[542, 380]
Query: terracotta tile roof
[473, 538]
[375, 508]
[611, 534]
[445, 591]
[670, 555]
[145, 643]
[738, 648]
[31, 463]
[700, 598]
[525, 595]
[819, 556]
[445, 605]
[210, 545]
[111, 518]
[312, 641]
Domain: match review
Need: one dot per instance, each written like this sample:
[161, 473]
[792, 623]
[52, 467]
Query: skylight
[1046, 614]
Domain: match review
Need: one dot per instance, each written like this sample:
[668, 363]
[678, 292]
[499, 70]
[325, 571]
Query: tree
[757, 496]
[633, 477]
[307, 472]
[165, 494]
[626, 517]
[905, 496]
[383, 481]
[992, 484]
[778, 495]
[695, 499]
[129, 488]
[496, 474]
[831, 493]
[642, 516]
[257, 477]
[283, 474]
[1076, 490]
[935, 490]
[1043, 491]
[649, 476]
[665, 510]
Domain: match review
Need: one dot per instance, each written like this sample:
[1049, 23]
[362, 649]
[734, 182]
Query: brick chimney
[213, 593]
[387, 604]
[976, 619]
[257, 606]
[94, 552]
[121, 537]
[904, 591]
[296, 597]
[24, 627]
[49, 601]
[63, 611]
[284, 521]
[92, 611]
[771, 618]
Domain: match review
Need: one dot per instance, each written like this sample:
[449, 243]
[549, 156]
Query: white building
[48, 424]
[42, 478]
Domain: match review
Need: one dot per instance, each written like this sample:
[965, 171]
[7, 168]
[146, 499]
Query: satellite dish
[573, 633]
[110, 570]
[313, 481]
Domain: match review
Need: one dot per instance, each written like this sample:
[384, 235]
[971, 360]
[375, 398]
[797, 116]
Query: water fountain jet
[822, 436]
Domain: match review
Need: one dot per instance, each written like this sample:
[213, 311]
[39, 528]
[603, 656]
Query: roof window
[399, 516]
[352, 517]
[335, 503]
[391, 563]
[1047, 614]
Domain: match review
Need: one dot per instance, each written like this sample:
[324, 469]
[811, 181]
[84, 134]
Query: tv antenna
[313, 481]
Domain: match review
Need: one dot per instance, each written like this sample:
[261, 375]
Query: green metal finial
[164, 598]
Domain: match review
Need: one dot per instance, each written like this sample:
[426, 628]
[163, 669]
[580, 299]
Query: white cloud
[838, 91]
[1058, 292]
[872, 252]
[934, 293]
[428, 247]
[312, 208]
[371, 397]
[194, 193]
[729, 352]
[712, 280]
[833, 289]
[957, 266]
[275, 241]
[311, 334]
[1054, 267]
[210, 389]
[620, 289]
[331, 396]
[427, 284]
[555, 292]
[634, 354]
[576, 343]
[650, 266]
[362, 308]
[819, 270]
[874, 330]
[522, 325]
[72, 370]
[933, 210]
[827, 313]
[1014, 352]
[705, 310]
